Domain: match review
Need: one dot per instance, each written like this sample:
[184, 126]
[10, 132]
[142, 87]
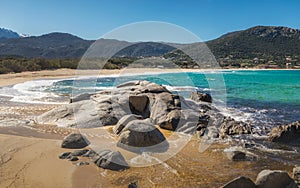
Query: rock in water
[240, 182]
[112, 160]
[140, 133]
[288, 134]
[274, 179]
[75, 141]
[198, 96]
[296, 174]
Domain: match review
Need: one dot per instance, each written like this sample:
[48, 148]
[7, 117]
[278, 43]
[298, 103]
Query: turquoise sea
[269, 97]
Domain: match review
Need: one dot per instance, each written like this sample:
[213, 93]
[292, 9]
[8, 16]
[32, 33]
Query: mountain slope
[50, 46]
[266, 42]
[6, 33]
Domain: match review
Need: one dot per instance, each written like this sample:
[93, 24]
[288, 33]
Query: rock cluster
[265, 179]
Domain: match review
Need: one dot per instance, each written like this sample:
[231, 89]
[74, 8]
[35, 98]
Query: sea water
[268, 97]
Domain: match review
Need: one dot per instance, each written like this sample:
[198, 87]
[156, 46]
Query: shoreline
[15, 78]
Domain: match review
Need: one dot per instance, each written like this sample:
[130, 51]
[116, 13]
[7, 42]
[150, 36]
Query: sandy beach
[14, 78]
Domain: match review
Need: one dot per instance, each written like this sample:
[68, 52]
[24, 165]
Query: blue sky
[208, 19]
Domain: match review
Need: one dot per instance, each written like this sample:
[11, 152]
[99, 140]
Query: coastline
[15, 78]
[34, 161]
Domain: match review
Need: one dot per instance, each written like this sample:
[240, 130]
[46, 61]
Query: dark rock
[231, 127]
[139, 104]
[288, 134]
[112, 160]
[82, 163]
[236, 155]
[240, 182]
[64, 155]
[79, 152]
[274, 179]
[74, 141]
[124, 121]
[73, 158]
[140, 133]
[90, 153]
[171, 120]
[133, 185]
[296, 174]
[198, 96]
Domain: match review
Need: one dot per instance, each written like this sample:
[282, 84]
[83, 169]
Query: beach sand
[29, 153]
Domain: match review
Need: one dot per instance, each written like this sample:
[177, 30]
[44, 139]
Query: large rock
[112, 160]
[124, 121]
[140, 133]
[139, 104]
[198, 96]
[75, 141]
[288, 134]
[240, 182]
[274, 179]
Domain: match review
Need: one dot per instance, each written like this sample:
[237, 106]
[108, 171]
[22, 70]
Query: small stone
[82, 163]
[236, 155]
[73, 158]
[64, 155]
[79, 152]
[133, 185]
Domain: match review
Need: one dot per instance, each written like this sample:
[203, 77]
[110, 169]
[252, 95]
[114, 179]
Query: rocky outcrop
[287, 134]
[141, 100]
[240, 182]
[112, 160]
[74, 141]
[274, 179]
[198, 96]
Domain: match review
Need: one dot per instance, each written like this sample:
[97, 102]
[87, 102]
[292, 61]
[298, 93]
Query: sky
[208, 19]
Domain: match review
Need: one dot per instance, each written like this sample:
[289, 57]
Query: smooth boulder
[240, 182]
[75, 141]
[274, 179]
[112, 160]
[140, 133]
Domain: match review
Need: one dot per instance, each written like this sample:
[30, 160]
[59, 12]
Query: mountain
[49, 46]
[6, 33]
[265, 43]
[246, 48]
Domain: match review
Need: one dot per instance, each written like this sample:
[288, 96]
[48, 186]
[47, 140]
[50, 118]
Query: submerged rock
[74, 141]
[112, 160]
[240, 182]
[287, 134]
[274, 179]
